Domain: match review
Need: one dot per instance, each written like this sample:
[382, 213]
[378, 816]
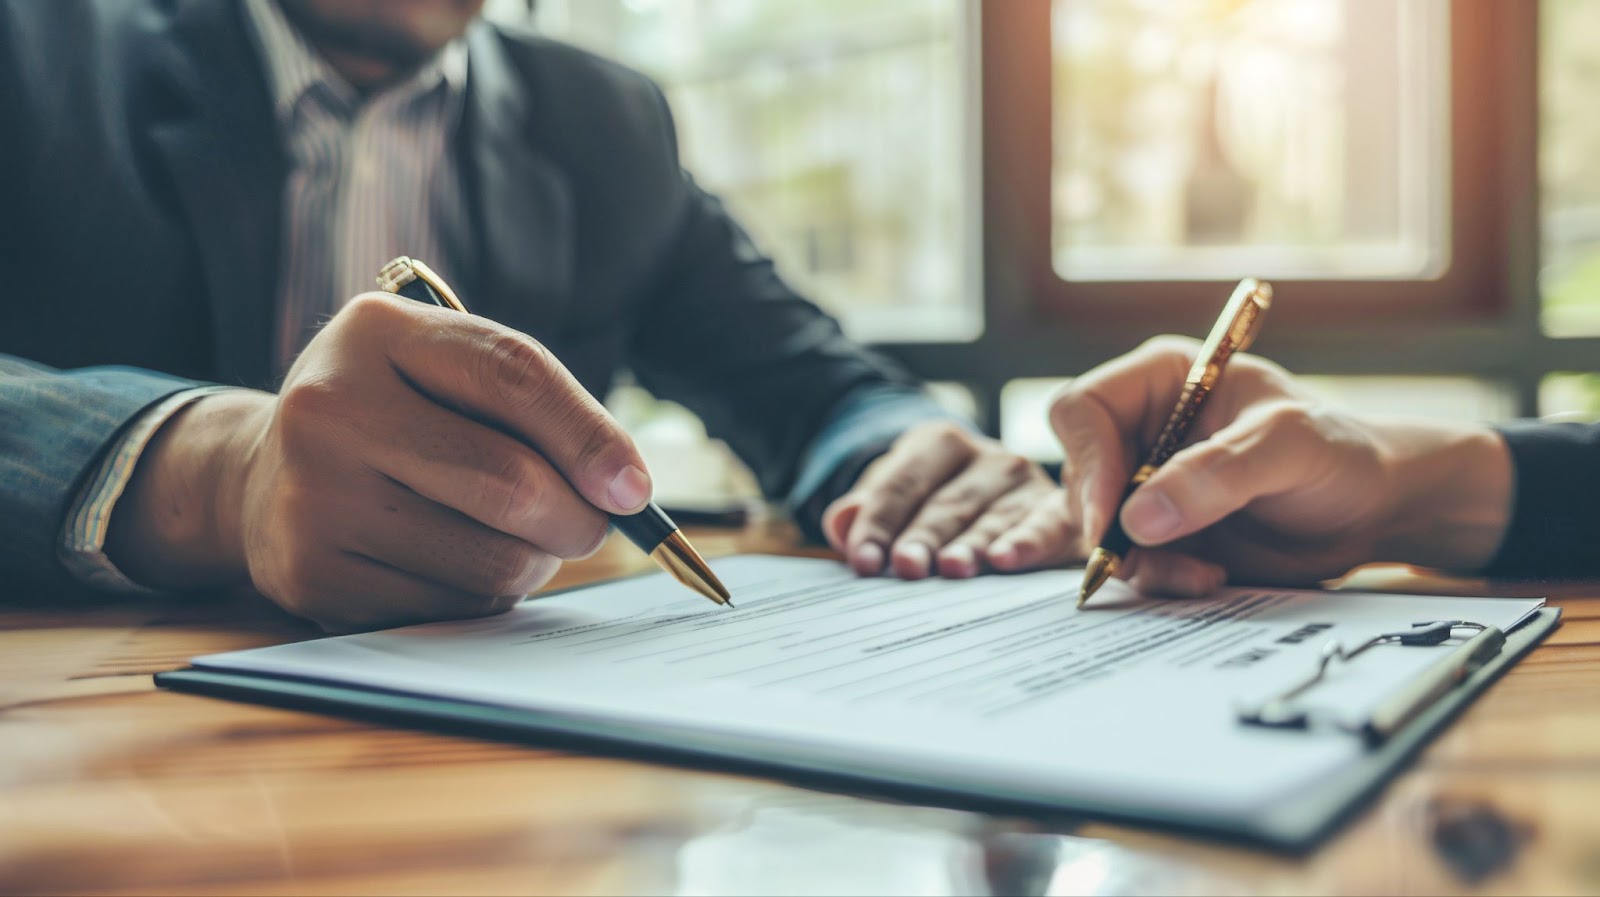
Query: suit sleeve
[767, 370]
[1554, 530]
[55, 427]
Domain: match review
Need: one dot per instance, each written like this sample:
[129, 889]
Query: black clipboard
[1293, 826]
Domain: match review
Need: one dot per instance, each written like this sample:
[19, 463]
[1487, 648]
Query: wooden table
[110, 786]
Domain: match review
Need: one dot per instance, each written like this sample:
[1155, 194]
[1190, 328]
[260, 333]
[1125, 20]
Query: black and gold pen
[651, 529]
[1234, 331]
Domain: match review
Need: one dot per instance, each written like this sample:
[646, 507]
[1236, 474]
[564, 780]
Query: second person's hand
[1275, 486]
[944, 500]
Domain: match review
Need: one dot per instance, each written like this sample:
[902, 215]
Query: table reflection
[789, 844]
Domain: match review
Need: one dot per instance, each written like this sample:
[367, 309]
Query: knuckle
[900, 486]
[596, 441]
[508, 567]
[515, 367]
[957, 497]
[309, 399]
[1291, 417]
[597, 529]
[1014, 467]
[513, 491]
[367, 306]
[947, 433]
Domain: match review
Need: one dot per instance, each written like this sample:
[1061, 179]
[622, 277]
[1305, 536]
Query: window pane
[1024, 424]
[835, 130]
[1287, 138]
[1569, 145]
[1569, 395]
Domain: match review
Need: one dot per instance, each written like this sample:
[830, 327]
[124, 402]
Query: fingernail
[912, 560]
[958, 561]
[1150, 517]
[867, 559]
[1002, 553]
[630, 489]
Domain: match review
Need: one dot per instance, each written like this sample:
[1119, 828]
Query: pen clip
[1253, 305]
[1235, 330]
[403, 271]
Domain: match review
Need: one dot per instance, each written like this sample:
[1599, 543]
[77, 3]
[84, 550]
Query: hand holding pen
[416, 464]
[1234, 331]
[649, 528]
[1270, 484]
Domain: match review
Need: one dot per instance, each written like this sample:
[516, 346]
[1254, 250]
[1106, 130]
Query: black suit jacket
[141, 180]
[1555, 513]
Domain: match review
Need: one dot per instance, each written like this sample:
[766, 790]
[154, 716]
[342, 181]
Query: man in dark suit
[195, 189]
[1282, 488]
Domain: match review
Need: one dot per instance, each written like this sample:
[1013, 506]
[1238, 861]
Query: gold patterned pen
[1233, 332]
[651, 529]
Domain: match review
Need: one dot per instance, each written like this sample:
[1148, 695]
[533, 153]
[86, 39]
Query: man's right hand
[1275, 486]
[418, 464]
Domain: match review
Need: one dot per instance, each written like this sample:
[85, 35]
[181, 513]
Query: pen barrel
[419, 291]
[1115, 540]
[646, 529]
[1173, 433]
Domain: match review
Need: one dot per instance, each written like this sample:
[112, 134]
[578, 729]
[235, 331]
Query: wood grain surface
[109, 786]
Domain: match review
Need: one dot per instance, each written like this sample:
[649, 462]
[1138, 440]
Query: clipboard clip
[1284, 711]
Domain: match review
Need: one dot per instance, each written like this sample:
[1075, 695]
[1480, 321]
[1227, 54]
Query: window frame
[1479, 318]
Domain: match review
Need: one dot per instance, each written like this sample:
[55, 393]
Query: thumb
[1264, 452]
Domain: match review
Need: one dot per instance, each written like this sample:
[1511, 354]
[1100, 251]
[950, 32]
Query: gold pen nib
[1102, 564]
[688, 567]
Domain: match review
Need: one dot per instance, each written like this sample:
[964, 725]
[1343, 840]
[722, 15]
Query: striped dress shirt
[370, 177]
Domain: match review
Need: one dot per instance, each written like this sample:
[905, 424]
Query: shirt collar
[294, 68]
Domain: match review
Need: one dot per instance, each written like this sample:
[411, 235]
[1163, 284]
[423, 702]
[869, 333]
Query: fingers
[892, 489]
[486, 476]
[1104, 417]
[1269, 449]
[498, 375]
[373, 595]
[445, 547]
[1046, 536]
[953, 507]
[1169, 574]
[968, 554]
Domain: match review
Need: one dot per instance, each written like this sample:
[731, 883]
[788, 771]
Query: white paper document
[997, 683]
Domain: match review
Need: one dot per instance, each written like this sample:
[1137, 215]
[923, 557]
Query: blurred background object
[1003, 193]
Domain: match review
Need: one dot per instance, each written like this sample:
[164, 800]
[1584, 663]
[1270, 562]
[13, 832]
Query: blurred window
[1286, 138]
[1569, 165]
[1570, 396]
[836, 130]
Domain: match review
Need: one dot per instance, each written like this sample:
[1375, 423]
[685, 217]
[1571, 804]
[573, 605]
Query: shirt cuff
[83, 541]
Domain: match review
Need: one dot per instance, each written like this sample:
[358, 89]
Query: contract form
[995, 686]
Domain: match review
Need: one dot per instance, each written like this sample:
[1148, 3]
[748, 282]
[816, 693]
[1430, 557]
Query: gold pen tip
[686, 565]
[1102, 564]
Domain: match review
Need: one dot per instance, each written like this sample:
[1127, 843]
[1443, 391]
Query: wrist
[177, 525]
[1450, 488]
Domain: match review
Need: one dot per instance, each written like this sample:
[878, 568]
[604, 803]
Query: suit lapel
[222, 151]
[520, 234]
